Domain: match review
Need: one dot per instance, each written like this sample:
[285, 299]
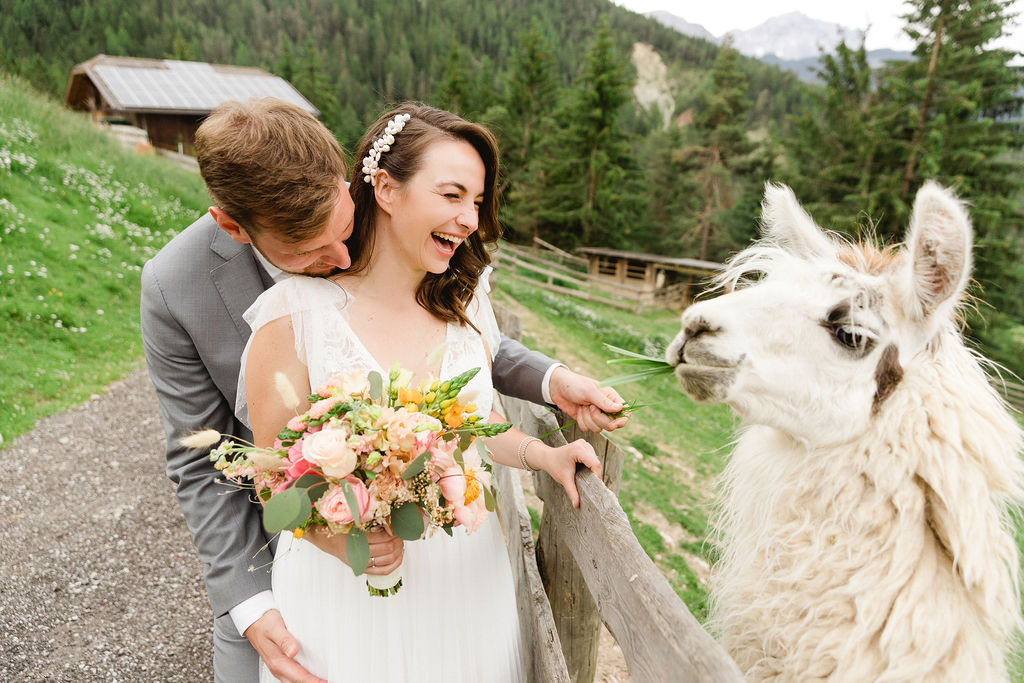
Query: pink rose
[453, 485]
[330, 450]
[297, 468]
[458, 486]
[334, 506]
[442, 456]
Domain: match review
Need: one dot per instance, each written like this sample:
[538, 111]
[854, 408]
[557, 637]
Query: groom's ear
[228, 225]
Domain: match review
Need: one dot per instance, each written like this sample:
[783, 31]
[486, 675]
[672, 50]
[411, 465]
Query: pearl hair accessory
[381, 145]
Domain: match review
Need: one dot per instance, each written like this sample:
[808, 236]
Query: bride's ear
[384, 191]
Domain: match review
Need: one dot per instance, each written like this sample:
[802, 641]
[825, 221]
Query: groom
[277, 176]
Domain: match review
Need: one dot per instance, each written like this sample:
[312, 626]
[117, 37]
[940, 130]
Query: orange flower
[472, 486]
[409, 396]
[453, 420]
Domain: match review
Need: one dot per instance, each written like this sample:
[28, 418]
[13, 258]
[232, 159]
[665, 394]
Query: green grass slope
[79, 215]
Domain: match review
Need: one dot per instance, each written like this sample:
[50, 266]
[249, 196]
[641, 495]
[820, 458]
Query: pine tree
[834, 147]
[521, 122]
[960, 101]
[729, 167]
[592, 185]
[453, 90]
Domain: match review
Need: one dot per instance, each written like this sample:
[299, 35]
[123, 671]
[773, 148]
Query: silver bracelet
[521, 452]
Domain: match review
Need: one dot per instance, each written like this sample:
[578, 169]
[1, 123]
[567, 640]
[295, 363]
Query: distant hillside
[351, 57]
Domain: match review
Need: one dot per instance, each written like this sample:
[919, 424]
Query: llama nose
[696, 327]
[691, 330]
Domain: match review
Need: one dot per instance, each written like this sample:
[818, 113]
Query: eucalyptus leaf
[464, 440]
[286, 510]
[407, 522]
[457, 457]
[350, 498]
[314, 486]
[376, 385]
[485, 456]
[489, 500]
[357, 549]
[416, 466]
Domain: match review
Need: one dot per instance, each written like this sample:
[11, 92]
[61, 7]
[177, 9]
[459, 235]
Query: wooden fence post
[576, 616]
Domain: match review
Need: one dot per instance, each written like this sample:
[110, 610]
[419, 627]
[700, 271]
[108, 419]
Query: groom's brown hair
[271, 166]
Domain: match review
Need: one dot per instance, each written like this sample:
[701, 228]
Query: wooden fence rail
[593, 569]
[1012, 392]
[573, 280]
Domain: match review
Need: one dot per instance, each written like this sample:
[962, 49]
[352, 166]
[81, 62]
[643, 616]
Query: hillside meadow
[79, 215]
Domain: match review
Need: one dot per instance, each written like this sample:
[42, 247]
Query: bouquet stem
[381, 586]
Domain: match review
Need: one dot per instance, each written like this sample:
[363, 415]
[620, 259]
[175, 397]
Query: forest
[583, 162]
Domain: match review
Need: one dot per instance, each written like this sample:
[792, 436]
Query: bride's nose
[468, 218]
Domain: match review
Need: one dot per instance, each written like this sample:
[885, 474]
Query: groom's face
[318, 256]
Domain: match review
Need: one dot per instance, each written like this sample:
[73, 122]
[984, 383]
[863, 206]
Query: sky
[720, 16]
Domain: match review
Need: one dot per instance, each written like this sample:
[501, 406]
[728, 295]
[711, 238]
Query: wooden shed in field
[662, 280]
[167, 98]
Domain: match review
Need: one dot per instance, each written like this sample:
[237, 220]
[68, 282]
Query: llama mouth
[705, 383]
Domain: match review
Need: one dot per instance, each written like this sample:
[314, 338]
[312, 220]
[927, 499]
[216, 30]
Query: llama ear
[785, 222]
[939, 242]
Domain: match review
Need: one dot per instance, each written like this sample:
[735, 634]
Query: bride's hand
[386, 550]
[560, 463]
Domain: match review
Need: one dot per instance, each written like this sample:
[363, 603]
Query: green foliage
[79, 215]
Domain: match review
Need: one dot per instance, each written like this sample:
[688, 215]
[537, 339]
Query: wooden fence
[589, 567]
[566, 274]
[1012, 392]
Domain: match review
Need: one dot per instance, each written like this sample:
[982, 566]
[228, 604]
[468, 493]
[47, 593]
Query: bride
[425, 210]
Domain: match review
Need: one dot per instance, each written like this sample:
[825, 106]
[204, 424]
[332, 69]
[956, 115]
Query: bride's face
[436, 210]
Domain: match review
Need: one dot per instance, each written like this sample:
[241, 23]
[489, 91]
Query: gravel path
[99, 580]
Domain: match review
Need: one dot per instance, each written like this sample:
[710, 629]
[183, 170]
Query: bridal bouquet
[372, 453]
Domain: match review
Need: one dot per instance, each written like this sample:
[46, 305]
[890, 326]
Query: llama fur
[877, 545]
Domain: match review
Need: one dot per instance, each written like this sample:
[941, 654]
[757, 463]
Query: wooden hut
[662, 280]
[165, 97]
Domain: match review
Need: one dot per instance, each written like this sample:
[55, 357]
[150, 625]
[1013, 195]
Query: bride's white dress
[454, 618]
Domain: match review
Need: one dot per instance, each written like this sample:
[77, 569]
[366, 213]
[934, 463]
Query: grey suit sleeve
[226, 526]
[519, 372]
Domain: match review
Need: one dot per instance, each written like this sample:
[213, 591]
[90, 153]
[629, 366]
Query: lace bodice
[327, 345]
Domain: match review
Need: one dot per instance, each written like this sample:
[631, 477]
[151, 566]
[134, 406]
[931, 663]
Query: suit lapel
[238, 278]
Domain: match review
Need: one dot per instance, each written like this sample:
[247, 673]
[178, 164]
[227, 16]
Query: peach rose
[334, 506]
[411, 433]
[329, 449]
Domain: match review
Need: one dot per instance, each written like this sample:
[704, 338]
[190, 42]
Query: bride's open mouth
[446, 243]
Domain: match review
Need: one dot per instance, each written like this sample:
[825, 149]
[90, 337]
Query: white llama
[864, 520]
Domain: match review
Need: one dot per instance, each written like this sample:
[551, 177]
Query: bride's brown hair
[447, 294]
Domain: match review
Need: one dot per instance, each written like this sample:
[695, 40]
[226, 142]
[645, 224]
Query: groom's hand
[277, 648]
[583, 400]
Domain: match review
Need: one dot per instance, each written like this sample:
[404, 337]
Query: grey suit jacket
[194, 292]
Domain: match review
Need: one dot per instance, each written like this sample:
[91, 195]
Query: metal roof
[170, 86]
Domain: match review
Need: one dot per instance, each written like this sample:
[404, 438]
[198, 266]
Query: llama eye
[852, 337]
